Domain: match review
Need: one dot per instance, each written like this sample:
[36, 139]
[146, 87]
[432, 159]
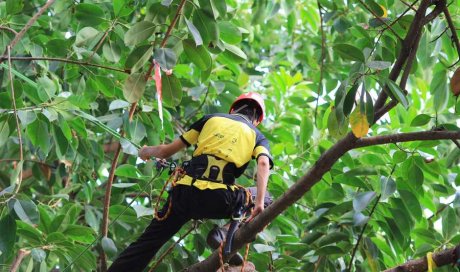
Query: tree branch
[380, 19]
[18, 127]
[407, 137]
[445, 257]
[83, 63]
[9, 29]
[452, 29]
[408, 44]
[17, 262]
[27, 26]
[323, 56]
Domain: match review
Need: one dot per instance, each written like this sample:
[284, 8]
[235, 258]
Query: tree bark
[445, 257]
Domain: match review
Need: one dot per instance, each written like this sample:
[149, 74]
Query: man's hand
[258, 208]
[145, 152]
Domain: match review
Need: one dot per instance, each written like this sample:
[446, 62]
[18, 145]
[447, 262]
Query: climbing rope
[176, 174]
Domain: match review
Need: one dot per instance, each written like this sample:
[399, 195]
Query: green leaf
[31, 233]
[306, 130]
[350, 100]
[333, 237]
[376, 8]
[329, 250]
[197, 54]
[261, 248]
[397, 93]
[26, 210]
[369, 108]
[336, 129]
[26, 117]
[121, 8]
[38, 134]
[378, 65]
[85, 36]
[134, 87]
[172, 90]
[79, 233]
[440, 90]
[138, 57]
[111, 51]
[128, 171]
[8, 237]
[399, 156]
[229, 33]
[360, 219]
[139, 32]
[341, 24]
[109, 246]
[60, 141]
[388, 187]
[89, 14]
[449, 223]
[412, 204]
[195, 33]
[65, 128]
[420, 120]
[142, 211]
[415, 175]
[38, 254]
[4, 132]
[362, 200]
[46, 88]
[349, 52]
[207, 26]
[165, 57]
[234, 53]
[14, 6]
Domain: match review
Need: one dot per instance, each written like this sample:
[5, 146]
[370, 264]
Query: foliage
[399, 201]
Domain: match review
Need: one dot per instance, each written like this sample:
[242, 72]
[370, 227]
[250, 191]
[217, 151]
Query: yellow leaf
[385, 12]
[359, 124]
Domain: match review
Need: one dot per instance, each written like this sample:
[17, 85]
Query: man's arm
[263, 171]
[162, 151]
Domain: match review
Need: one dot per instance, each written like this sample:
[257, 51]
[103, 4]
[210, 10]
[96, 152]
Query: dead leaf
[359, 124]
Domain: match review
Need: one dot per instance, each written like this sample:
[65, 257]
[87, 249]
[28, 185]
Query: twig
[323, 56]
[411, 6]
[18, 128]
[188, 118]
[350, 264]
[9, 29]
[17, 262]
[27, 26]
[35, 161]
[452, 29]
[170, 248]
[440, 210]
[101, 41]
[83, 63]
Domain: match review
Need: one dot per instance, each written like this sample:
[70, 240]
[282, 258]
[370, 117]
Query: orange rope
[175, 176]
[221, 255]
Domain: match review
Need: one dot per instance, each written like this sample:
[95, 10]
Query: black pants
[188, 203]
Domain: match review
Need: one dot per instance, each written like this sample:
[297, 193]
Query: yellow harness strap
[204, 184]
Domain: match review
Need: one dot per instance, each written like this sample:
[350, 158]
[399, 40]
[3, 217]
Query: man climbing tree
[225, 144]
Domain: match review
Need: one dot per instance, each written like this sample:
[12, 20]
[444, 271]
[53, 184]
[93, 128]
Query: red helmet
[254, 97]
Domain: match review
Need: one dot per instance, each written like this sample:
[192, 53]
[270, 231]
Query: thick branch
[83, 63]
[303, 185]
[407, 137]
[27, 26]
[445, 257]
[406, 49]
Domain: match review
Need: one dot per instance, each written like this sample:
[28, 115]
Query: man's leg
[138, 255]
[218, 234]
